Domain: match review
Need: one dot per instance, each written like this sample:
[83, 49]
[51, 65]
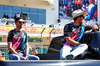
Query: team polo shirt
[71, 30]
[16, 37]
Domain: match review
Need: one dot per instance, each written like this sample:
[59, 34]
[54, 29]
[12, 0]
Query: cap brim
[82, 13]
[85, 13]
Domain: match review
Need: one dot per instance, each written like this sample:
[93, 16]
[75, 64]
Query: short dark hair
[16, 20]
[78, 16]
[75, 18]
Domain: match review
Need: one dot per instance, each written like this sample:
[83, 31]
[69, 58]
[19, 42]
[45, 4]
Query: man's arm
[14, 52]
[27, 49]
[11, 49]
[67, 32]
[90, 28]
[71, 41]
[26, 45]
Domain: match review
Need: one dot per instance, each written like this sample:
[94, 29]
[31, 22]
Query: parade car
[91, 39]
[93, 53]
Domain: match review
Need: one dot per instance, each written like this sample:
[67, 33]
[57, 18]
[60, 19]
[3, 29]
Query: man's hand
[71, 41]
[22, 58]
[94, 27]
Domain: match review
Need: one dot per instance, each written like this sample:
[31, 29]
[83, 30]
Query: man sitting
[18, 43]
[73, 33]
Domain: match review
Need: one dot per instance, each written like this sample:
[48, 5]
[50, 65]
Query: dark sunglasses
[21, 22]
[82, 16]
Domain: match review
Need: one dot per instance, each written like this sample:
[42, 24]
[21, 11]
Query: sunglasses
[21, 22]
[82, 16]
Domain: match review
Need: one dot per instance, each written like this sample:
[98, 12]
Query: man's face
[20, 23]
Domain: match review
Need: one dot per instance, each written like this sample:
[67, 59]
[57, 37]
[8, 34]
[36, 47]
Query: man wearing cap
[73, 33]
[18, 43]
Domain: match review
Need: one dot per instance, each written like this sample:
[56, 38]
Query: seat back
[55, 44]
[95, 43]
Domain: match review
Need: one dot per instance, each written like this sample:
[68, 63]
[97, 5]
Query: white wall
[52, 13]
